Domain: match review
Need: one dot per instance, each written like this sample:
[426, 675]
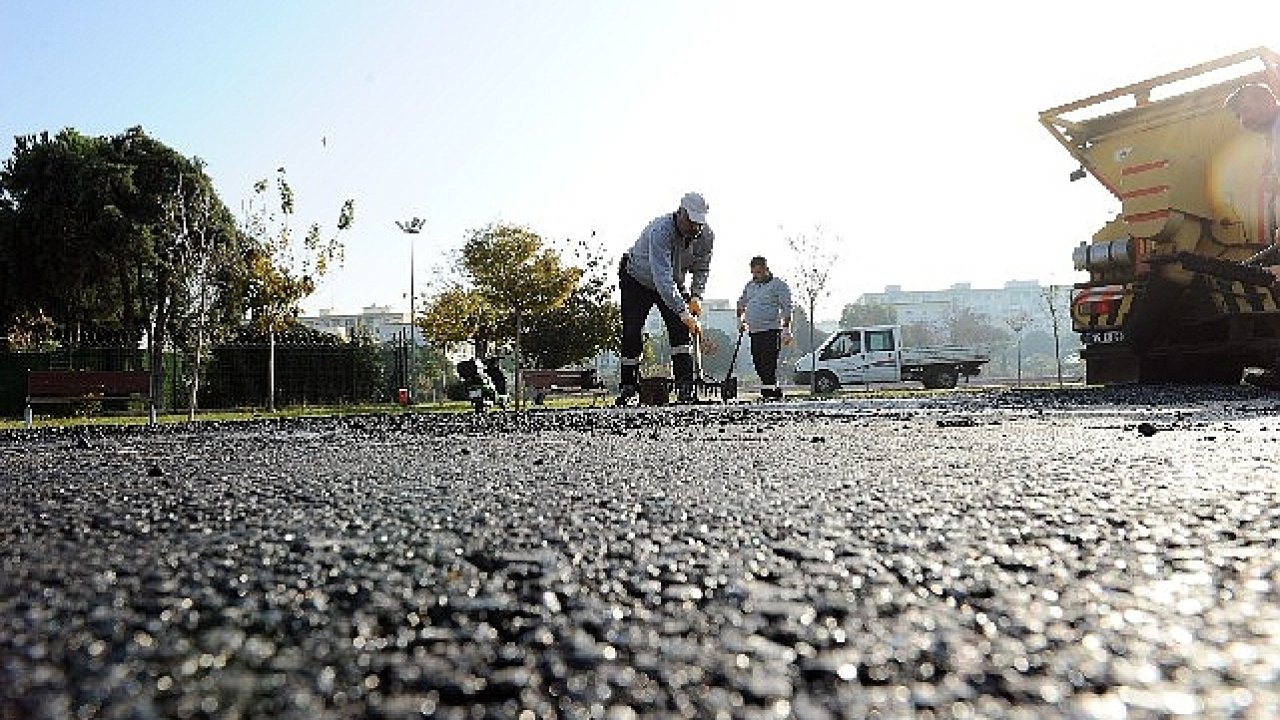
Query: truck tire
[827, 382]
[941, 378]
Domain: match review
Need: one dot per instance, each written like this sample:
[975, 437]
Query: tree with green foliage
[31, 332]
[920, 334]
[511, 278]
[862, 314]
[90, 237]
[516, 275]
[64, 249]
[283, 270]
[586, 323]
[967, 327]
[454, 316]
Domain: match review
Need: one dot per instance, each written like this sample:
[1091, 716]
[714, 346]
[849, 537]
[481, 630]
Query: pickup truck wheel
[827, 382]
[941, 378]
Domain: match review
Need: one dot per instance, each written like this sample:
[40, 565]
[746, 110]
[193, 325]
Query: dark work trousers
[637, 301]
[765, 346]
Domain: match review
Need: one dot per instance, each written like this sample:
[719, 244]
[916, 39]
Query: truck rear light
[1099, 307]
[1097, 301]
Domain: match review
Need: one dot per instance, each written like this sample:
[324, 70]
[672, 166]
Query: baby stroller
[479, 387]
[493, 370]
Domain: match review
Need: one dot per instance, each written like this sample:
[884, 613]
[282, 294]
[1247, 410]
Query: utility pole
[412, 228]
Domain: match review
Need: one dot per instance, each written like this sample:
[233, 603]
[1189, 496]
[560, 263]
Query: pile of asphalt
[1038, 554]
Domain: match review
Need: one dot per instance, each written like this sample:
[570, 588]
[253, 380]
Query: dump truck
[1175, 289]
[874, 354]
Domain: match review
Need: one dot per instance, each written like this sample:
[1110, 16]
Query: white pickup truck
[861, 355]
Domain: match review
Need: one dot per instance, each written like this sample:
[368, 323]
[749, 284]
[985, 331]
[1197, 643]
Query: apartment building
[381, 322]
[1025, 299]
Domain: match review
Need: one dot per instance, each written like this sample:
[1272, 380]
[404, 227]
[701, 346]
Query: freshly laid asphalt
[1107, 554]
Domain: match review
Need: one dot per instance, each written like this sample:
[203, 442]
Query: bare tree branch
[814, 258]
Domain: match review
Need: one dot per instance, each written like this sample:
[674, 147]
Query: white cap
[695, 207]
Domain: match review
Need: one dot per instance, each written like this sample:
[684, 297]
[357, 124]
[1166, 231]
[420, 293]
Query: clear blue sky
[907, 131]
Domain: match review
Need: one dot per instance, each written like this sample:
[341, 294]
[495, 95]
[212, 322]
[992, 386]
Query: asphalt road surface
[1079, 554]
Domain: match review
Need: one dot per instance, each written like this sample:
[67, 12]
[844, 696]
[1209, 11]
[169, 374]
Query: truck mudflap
[1098, 313]
[1110, 364]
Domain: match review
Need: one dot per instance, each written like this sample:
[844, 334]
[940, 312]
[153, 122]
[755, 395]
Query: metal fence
[237, 375]
[234, 375]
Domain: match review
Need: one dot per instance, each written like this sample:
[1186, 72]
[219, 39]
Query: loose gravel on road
[1106, 554]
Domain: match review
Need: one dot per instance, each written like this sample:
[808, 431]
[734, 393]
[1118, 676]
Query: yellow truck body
[1171, 296]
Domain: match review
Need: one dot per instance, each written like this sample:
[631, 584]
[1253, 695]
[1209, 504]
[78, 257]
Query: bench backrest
[584, 378]
[88, 383]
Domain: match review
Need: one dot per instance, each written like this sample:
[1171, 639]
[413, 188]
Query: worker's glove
[695, 306]
[691, 322]
[787, 338]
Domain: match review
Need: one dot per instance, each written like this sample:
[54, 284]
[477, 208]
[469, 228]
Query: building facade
[1018, 300]
[381, 322]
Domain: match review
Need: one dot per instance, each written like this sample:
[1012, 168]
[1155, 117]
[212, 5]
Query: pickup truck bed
[941, 355]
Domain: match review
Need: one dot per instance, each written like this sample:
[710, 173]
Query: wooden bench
[70, 386]
[541, 383]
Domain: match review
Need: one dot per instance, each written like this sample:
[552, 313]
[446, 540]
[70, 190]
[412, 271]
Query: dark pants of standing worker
[765, 346]
[637, 301]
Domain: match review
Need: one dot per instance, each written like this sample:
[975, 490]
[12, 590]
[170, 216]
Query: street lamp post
[1017, 323]
[412, 228]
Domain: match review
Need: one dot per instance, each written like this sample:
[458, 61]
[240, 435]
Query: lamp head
[413, 226]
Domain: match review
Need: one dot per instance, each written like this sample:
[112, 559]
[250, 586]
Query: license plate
[475, 394]
[1102, 337]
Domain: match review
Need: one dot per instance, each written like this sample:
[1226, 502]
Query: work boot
[686, 394]
[626, 396]
[628, 387]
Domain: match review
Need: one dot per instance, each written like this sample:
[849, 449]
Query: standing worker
[1256, 108]
[764, 310]
[653, 272]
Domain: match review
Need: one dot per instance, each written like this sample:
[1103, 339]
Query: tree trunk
[519, 363]
[271, 369]
[813, 351]
[194, 386]
[1057, 352]
[128, 313]
[156, 351]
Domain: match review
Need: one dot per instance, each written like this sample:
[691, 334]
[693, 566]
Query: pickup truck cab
[863, 355]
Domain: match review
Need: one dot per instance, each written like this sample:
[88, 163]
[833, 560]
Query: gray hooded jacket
[765, 305]
[661, 259]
